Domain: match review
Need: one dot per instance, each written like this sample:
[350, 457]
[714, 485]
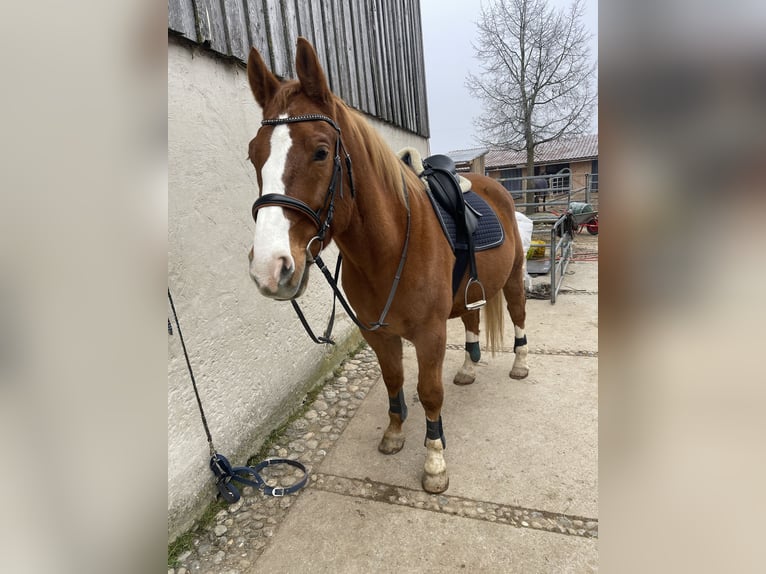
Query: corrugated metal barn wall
[372, 50]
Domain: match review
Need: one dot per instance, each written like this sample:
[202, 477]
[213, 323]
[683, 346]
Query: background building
[576, 159]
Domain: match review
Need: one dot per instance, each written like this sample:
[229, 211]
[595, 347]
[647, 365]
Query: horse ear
[310, 72]
[263, 83]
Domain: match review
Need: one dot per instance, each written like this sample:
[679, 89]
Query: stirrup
[476, 304]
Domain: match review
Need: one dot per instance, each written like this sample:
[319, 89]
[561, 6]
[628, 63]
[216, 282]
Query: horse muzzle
[277, 278]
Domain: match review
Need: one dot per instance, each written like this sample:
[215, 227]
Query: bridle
[328, 208]
[336, 182]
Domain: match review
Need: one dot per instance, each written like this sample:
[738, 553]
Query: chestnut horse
[387, 228]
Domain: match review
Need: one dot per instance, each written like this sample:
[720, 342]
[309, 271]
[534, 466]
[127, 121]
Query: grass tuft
[277, 433]
[184, 542]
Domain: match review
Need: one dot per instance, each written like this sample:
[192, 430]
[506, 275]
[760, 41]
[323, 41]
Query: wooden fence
[371, 50]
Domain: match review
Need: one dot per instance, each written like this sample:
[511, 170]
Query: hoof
[391, 444]
[519, 372]
[435, 483]
[463, 379]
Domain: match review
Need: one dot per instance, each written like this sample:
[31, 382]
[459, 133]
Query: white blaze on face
[272, 240]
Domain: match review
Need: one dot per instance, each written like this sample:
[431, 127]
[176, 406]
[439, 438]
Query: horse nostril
[286, 270]
[250, 255]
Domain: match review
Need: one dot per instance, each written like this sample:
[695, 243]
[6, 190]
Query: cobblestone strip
[459, 506]
[536, 351]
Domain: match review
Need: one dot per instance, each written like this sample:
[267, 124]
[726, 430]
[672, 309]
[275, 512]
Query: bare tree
[537, 80]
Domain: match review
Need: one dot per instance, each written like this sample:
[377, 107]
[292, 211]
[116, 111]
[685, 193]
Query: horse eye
[320, 154]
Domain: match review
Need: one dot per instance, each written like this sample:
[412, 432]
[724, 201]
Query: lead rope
[219, 464]
[191, 374]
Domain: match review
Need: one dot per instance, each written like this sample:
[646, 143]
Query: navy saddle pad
[490, 232]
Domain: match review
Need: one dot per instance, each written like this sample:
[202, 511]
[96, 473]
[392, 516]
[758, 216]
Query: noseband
[336, 182]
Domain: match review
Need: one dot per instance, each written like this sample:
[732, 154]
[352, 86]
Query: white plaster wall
[252, 360]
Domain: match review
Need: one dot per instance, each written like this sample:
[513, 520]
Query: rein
[288, 202]
[392, 293]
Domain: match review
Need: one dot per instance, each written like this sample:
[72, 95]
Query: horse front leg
[430, 348]
[467, 374]
[388, 349]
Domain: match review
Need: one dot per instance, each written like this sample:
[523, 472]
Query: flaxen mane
[385, 163]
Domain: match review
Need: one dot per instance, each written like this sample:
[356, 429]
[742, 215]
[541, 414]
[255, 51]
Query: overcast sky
[448, 30]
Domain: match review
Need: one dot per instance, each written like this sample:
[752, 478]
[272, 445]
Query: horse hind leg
[388, 349]
[467, 374]
[516, 298]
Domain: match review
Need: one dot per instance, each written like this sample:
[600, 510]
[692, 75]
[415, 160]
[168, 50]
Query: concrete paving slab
[570, 324]
[531, 443]
[326, 532]
[581, 276]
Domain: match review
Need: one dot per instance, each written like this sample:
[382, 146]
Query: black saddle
[443, 181]
[444, 188]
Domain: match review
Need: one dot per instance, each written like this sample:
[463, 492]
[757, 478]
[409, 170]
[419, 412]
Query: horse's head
[296, 170]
